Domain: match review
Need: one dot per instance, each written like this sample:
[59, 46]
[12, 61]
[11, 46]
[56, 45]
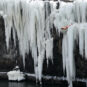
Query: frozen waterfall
[74, 14]
[31, 22]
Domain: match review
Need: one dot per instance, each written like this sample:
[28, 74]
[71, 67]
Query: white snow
[15, 75]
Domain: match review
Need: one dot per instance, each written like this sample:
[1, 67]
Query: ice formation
[31, 22]
[28, 20]
[73, 14]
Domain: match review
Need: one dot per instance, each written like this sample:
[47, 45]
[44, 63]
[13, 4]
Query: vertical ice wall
[75, 15]
[29, 21]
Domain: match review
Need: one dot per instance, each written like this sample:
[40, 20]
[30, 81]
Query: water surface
[4, 83]
[22, 84]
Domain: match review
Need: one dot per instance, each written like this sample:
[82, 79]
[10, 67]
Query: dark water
[28, 84]
[16, 84]
[22, 84]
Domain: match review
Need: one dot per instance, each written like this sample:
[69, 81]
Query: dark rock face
[53, 68]
[81, 64]
[6, 63]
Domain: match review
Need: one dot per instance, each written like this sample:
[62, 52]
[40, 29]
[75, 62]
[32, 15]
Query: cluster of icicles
[75, 15]
[27, 20]
[31, 22]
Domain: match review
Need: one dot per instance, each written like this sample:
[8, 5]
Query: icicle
[8, 21]
[49, 49]
[64, 51]
[14, 37]
[67, 52]
[70, 51]
[83, 8]
[81, 40]
[40, 64]
[86, 43]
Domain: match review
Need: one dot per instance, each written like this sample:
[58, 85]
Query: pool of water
[4, 83]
